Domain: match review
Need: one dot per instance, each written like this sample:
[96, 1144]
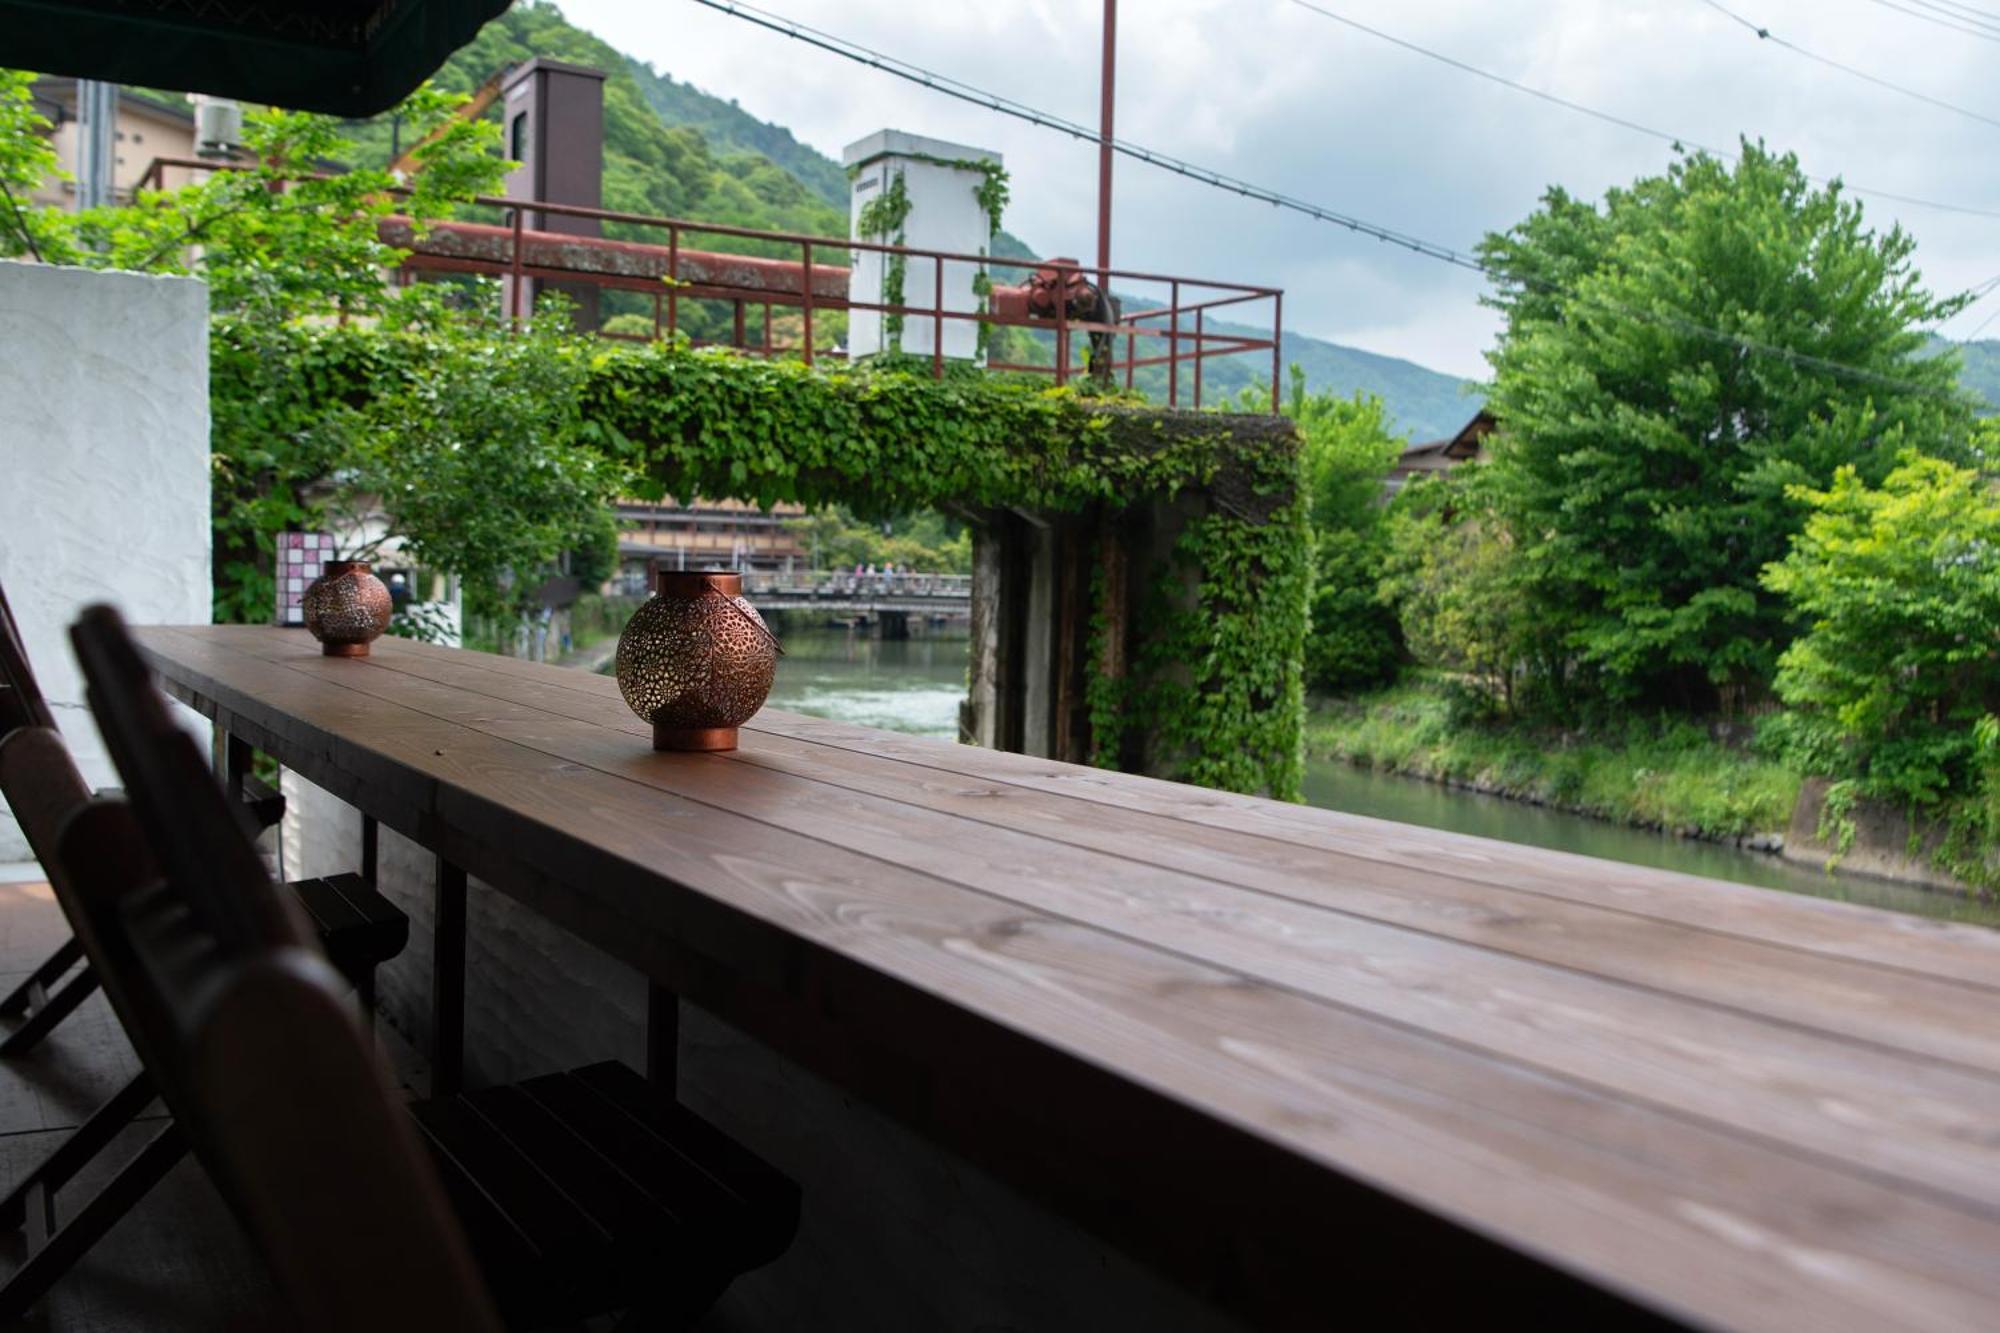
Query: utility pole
[1104, 145]
[96, 142]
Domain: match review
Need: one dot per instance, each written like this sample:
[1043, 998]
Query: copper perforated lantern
[346, 608]
[697, 660]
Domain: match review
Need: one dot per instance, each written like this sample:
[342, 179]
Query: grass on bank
[1671, 776]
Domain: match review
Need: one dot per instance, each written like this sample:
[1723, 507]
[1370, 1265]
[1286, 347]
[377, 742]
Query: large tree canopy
[1674, 360]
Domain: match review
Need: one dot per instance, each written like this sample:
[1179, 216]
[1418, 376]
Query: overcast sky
[1274, 94]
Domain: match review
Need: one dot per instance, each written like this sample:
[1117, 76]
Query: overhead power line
[1500, 79]
[1766, 35]
[1677, 140]
[1974, 335]
[965, 92]
[1974, 295]
[1943, 18]
[1958, 6]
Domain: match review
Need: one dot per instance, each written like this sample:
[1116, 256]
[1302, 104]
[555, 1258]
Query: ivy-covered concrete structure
[1141, 579]
[1144, 574]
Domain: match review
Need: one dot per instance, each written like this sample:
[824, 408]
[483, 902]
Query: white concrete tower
[941, 184]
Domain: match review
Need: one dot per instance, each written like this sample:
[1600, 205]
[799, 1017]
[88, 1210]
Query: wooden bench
[578, 1193]
[358, 927]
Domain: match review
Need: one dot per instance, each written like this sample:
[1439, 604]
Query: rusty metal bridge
[774, 301]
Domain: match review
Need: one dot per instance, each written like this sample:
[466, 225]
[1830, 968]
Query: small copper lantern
[346, 608]
[697, 660]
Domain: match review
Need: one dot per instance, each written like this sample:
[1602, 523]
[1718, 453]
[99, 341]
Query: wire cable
[966, 92]
[1973, 296]
[1677, 140]
[994, 102]
[1970, 11]
[1953, 22]
[1974, 335]
[1502, 80]
[1766, 35]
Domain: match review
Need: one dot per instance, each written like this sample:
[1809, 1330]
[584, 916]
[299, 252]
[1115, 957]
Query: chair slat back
[21, 701]
[245, 1030]
[48, 795]
[199, 836]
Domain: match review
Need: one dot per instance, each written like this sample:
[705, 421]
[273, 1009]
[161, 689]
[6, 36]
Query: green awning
[343, 57]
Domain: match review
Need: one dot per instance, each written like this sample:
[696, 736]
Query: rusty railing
[671, 272]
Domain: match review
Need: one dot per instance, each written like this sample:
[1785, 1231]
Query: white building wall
[105, 455]
[945, 214]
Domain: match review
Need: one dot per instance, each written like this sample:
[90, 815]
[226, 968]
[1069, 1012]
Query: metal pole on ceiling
[1106, 94]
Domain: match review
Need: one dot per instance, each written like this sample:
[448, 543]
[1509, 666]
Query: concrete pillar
[978, 716]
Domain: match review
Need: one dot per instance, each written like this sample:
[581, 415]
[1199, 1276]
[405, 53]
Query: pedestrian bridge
[945, 595]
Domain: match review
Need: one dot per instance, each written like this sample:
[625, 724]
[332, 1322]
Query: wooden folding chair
[359, 928]
[268, 1078]
[579, 1193]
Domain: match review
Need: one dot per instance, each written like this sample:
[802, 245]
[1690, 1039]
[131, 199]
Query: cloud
[1269, 92]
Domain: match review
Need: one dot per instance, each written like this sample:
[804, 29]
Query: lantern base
[344, 649]
[693, 738]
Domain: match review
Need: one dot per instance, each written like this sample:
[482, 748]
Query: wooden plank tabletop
[1260, 1043]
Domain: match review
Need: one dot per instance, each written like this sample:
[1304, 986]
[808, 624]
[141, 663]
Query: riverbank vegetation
[1737, 525]
[1666, 773]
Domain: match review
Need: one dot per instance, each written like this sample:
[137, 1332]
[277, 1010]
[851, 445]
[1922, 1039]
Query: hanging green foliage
[1214, 690]
[882, 219]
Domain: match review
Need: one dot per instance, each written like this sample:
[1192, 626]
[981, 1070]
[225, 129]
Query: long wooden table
[1323, 1069]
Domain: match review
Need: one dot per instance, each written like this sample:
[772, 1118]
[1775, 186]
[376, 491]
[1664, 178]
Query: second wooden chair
[358, 927]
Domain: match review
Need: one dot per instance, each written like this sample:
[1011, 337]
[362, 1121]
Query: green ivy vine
[883, 218]
[1213, 693]
[1103, 695]
[991, 192]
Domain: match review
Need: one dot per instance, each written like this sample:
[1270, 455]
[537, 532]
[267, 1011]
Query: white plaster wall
[105, 458]
[945, 214]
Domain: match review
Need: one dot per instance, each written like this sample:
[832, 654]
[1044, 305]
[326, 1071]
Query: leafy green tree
[1347, 452]
[281, 239]
[26, 160]
[1676, 363]
[1899, 664]
[482, 464]
[924, 542]
[1455, 585]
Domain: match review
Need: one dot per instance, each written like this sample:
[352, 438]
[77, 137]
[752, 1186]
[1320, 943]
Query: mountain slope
[1982, 370]
[730, 129]
[650, 166]
[1422, 403]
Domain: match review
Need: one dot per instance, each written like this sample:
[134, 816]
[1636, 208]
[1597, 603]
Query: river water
[915, 686]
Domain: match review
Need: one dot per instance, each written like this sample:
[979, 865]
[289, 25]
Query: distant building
[148, 127]
[710, 534]
[1435, 457]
